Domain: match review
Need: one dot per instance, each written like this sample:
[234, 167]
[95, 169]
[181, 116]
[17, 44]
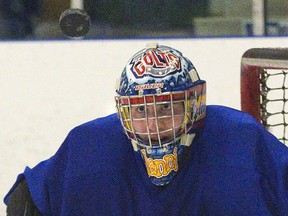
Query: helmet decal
[149, 86]
[152, 70]
[162, 166]
[155, 63]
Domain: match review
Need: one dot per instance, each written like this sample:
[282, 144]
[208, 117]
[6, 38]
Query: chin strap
[187, 139]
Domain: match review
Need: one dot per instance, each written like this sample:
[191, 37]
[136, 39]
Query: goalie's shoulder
[97, 136]
[230, 115]
[104, 124]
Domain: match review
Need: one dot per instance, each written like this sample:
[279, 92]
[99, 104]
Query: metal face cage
[156, 120]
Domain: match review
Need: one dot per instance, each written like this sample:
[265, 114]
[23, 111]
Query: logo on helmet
[156, 63]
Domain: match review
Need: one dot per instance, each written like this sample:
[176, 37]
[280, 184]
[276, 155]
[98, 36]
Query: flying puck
[74, 23]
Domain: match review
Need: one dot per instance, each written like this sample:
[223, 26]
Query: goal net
[264, 87]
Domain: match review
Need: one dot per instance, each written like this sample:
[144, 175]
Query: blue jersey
[235, 167]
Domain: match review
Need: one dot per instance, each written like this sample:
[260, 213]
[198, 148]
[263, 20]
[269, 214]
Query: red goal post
[264, 91]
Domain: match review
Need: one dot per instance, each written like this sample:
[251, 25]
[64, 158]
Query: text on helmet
[156, 60]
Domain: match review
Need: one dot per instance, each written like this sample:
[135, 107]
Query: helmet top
[157, 69]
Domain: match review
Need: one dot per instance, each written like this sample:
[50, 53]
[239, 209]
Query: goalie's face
[157, 124]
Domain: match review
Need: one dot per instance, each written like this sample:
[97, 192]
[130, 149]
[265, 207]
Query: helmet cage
[192, 100]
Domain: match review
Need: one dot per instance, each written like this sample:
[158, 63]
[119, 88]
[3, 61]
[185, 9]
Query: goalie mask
[160, 101]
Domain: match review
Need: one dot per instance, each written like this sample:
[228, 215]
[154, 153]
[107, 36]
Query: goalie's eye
[141, 109]
[164, 109]
[166, 106]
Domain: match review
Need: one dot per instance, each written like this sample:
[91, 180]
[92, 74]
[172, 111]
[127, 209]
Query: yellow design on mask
[161, 167]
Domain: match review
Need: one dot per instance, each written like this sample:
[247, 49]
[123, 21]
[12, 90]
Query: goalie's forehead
[156, 69]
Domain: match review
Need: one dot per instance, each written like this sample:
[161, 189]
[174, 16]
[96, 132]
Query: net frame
[255, 63]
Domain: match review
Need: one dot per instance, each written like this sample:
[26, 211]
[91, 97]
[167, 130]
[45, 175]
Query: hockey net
[264, 91]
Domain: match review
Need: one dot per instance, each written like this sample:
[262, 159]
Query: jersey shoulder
[105, 123]
[228, 128]
[229, 116]
[103, 131]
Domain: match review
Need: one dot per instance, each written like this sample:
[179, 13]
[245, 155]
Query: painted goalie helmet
[160, 102]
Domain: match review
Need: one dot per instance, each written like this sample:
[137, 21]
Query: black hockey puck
[74, 23]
